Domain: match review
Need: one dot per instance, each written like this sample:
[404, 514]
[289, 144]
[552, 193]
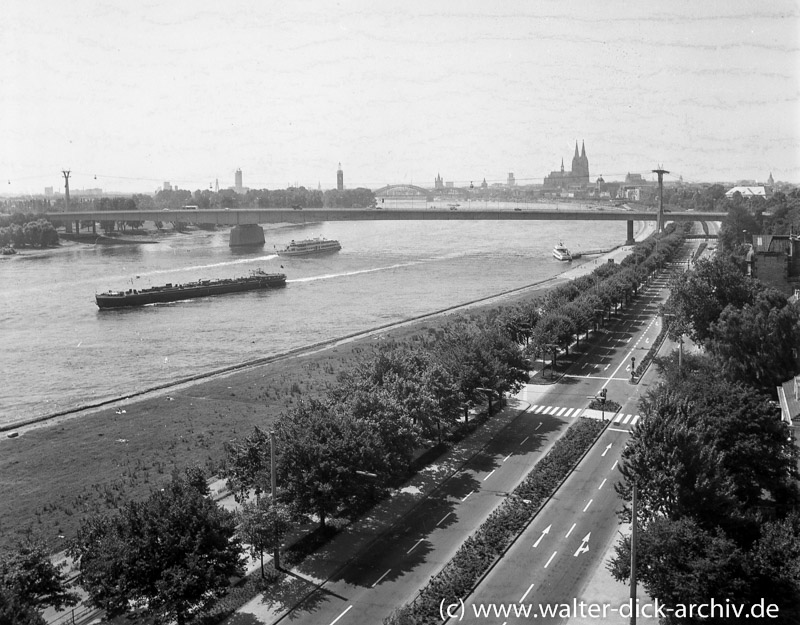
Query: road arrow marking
[606, 451]
[546, 530]
[584, 545]
[551, 559]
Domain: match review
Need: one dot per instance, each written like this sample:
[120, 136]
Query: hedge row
[475, 556]
[651, 353]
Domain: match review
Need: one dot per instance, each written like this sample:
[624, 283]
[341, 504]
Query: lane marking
[507, 457]
[568, 412]
[380, 578]
[546, 565]
[619, 430]
[467, 495]
[415, 546]
[601, 483]
[626, 419]
[614, 466]
[334, 621]
[538, 410]
[545, 531]
[490, 475]
[443, 518]
[526, 593]
[619, 418]
[570, 530]
[606, 451]
[527, 437]
[561, 412]
[537, 427]
[635, 419]
[585, 509]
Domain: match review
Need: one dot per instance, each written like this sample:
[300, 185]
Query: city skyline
[128, 97]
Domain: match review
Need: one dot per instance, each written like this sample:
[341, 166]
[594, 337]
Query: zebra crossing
[564, 411]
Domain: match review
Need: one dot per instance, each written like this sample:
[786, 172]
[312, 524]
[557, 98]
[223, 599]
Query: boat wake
[355, 273]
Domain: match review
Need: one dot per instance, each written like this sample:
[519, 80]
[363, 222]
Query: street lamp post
[633, 369]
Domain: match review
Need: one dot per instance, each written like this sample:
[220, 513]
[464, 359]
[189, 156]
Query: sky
[127, 95]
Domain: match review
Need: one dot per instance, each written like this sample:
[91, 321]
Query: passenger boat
[257, 279]
[561, 253]
[310, 246]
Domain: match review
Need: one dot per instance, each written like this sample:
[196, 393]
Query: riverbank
[58, 473]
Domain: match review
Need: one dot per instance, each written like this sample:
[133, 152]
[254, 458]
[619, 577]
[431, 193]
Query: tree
[30, 582]
[167, 555]
[324, 458]
[755, 343]
[247, 464]
[263, 524]
[698, 297]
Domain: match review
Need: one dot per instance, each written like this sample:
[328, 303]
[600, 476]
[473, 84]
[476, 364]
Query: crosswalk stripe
[561, 412]
[567, 413]
[635, 419]
[619, 418]
[553, 410]
[539, 409]
[626, 419]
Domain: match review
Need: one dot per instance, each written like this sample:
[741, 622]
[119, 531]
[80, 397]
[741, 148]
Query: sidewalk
[274, 604]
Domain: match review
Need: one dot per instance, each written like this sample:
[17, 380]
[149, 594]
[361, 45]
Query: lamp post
[633, 369]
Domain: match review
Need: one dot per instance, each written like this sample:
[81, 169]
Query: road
[551, 562]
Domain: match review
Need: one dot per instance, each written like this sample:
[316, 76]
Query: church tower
[340, 178]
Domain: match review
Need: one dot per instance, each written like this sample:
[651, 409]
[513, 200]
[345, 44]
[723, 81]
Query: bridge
[247, 231]
[402, 190]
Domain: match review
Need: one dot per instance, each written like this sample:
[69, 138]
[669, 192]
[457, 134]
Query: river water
[59, 351]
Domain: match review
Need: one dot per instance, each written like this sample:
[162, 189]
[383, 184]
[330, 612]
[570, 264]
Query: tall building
[577, 177]
[238, 181]
[511, 182]
[340, 178]
[167, 186]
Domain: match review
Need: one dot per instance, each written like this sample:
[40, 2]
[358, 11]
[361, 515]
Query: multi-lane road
[562, 547]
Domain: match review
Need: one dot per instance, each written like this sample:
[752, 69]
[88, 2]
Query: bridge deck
[242, 216]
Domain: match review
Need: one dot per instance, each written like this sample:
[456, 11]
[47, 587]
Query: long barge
[257, 279]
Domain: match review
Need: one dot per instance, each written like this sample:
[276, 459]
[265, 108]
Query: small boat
[257, 279]
[561, 253]
[310, 246]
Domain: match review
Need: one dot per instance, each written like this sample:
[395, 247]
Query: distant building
[774, 259]
[438, 183]
[747, 192]
[483, 184]
[48, 191]
[167, 186]
[340, 178]
[635, 179]
[449, 184]
[511, 182]
[237, 185]
[577, 178]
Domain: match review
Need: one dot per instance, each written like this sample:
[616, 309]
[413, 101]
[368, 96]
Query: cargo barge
[257, 279]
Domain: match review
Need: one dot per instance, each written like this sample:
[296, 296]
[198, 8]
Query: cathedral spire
[576, 149]
[583, 149]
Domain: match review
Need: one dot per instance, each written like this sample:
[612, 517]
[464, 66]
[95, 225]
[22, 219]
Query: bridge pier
[247, 234]
[630, 240]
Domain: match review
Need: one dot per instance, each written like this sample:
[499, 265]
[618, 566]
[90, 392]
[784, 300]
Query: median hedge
[495, 535]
